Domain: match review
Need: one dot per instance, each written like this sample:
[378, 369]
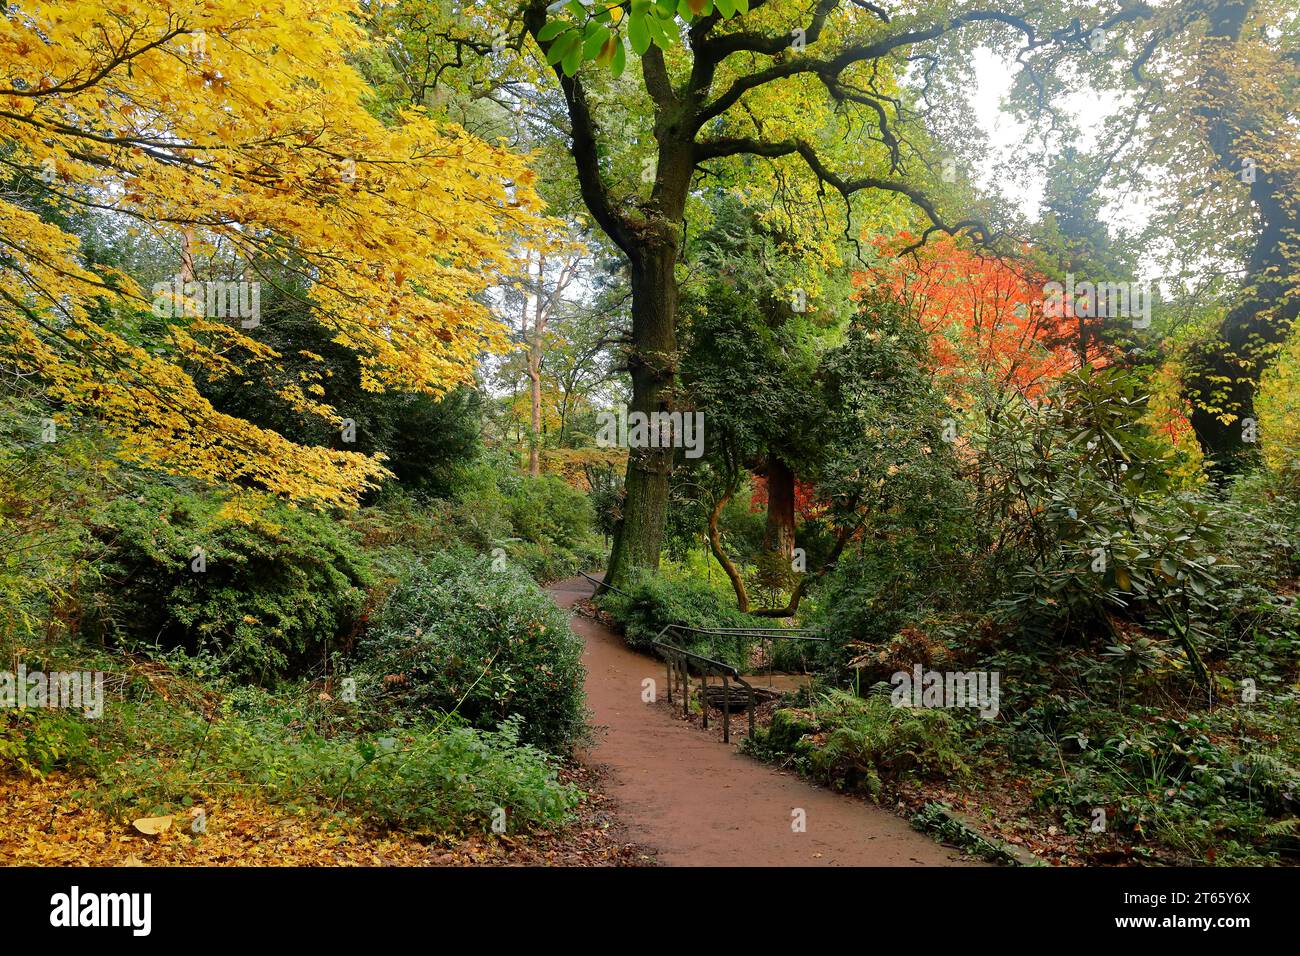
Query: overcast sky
[994, 78]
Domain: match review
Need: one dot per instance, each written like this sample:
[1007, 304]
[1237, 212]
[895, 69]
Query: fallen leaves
[152, 826]
[48, 823]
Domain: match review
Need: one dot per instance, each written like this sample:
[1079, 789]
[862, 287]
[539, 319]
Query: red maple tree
[986, 316]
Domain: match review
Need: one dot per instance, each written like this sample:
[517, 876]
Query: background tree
[1207, 129]
[749, 355]
[744, 89]
[247, 136]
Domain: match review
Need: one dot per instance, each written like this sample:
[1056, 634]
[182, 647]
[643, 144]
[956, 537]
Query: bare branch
[845, 187]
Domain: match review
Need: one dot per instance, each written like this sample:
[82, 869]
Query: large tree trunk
[652, 251]
[650, 234]
[639, 533]
[1224, 373]
[778, 537]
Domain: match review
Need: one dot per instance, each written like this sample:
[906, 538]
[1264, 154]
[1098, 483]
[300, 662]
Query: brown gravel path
[699, 803]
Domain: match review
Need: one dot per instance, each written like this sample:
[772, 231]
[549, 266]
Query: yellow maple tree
[227, 121]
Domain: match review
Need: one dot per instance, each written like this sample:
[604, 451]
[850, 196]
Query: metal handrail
[601, 584]
[720, 668]
[783, 633]
[679, 659]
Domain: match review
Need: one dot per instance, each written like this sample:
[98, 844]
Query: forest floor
[47, 822]
[697, 802]
[658, 792]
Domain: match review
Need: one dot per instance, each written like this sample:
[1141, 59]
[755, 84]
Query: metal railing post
[704, 699]
[726, 710]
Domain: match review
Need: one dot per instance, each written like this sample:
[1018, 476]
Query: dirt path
[699, 803]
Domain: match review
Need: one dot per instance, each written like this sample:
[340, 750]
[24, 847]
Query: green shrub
[279, 587]
[743, 527]
[653, 601]
[606, 497]
[468, 633]
[38, 741]
[1112, 535]
[546, 563]
[401, 529]
[152, 756]
[542, 524]
[48, 492]
[547, 510]
[878, 591]
[856, 743]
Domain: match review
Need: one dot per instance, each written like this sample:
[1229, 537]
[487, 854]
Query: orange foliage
[806, 505]
[985, 316]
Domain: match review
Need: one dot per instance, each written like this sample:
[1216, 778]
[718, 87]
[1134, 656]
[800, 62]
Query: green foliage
[468, 634]
[1104, 533]
[400, 527]
[442, 779]
[863, 743]
[749, 368]
[47, 489]
[884, 587]
[653, 601]
[606, 498]
[425, 439]
[1179, 781]
[541, 524]
[152, 756]
[548, 511]
[37, 741]
[545, 563]
[742, 526]
[590, 33]
[885, 457]
[280, 588]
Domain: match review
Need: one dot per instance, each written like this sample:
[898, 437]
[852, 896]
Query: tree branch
[718, 48]
[595, 194]
[845, 187]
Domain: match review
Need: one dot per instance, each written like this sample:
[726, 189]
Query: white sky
[994, 78]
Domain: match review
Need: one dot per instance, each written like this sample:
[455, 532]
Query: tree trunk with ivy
[652, 363]
[1224, 372]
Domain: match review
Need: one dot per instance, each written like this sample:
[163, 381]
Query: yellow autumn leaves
[238, 125]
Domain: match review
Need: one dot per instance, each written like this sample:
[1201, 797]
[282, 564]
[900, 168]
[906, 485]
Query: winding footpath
[699, 803]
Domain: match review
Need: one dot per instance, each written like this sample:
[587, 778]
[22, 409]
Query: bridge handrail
[779, 633]
[677, 659]
[718, 667]
[601, 584]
